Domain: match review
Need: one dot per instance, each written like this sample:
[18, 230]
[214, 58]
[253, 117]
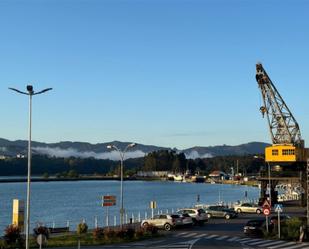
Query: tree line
[163, 160]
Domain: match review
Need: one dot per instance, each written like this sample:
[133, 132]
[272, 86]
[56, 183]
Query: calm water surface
[61, 201]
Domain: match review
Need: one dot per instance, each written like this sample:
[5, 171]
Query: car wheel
[145, 224]
[167, 227]
[208, 216]
[194, 221]
[227, 216]
[239, 210]
[258, 211]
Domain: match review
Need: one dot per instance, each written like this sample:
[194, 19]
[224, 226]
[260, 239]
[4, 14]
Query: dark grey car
[220, 212]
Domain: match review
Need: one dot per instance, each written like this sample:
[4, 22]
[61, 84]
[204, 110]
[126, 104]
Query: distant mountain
[100, 151]
[226, 150]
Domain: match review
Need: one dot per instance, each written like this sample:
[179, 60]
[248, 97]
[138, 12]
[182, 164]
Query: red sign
[109, 197]
[266, 204]
[109, 200]
[266, 211]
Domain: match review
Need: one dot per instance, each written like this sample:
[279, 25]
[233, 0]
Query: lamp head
[109, 146]
[30, 89]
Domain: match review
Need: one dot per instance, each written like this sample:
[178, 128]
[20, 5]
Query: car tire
[227, 216]
[145, 224]
[167, 227]
[208, 216]
[194, 221]
[239, 210]
[258, 211]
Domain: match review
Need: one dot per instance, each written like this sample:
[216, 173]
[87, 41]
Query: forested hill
[99, 151]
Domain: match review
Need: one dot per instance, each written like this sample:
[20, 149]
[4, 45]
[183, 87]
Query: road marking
[259, 242]
[189, 235]
[233, 239]
[211, 236]
[199, 235]
[244, 240]
[297, 246]
[254, 240]
[181, 245]
[272, 243]
[222, 237]
[279, 246]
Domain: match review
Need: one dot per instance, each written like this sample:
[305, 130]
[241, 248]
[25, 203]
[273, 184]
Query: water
[58, 202]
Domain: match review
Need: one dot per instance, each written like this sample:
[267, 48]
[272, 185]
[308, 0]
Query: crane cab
[285, 153]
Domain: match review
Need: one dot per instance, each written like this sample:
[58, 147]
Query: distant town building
[152, 173]
[20, 156]
[218, 175]
[2, 157]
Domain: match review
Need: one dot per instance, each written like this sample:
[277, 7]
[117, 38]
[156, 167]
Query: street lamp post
[30, 93]
[122, 154]
[269, 181]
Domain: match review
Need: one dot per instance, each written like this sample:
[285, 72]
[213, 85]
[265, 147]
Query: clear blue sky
[163, 72]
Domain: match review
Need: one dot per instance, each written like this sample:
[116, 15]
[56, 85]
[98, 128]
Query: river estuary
[59, 202]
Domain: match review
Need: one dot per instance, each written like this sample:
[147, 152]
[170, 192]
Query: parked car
[198, 214]
[248, 208]
[186, 219]
[165, 221]
[220, 212]
[256, 227]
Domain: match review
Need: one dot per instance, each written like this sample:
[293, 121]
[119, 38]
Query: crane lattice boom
[283, 126]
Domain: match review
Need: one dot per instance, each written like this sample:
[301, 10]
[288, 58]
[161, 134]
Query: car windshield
[255, 222]
[201, 211]
[175, 216]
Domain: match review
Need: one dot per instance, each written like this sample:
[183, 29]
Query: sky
[160, 72]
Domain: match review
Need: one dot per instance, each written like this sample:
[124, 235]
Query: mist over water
[70, 152]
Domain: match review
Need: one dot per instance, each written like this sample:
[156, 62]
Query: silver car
[165, 221]
[248, 208]
[198, 214]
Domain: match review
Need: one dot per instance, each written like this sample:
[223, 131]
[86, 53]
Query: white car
[248, 208]
[165, 221]
[198, 214]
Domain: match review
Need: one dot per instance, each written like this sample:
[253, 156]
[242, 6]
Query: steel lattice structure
[283, 126]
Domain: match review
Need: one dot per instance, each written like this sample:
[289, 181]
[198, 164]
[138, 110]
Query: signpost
[108, 201]
[279, 209]
[153, 205]
[266, 211]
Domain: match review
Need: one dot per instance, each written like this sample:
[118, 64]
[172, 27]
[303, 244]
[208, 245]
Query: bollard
[115, 220]
[54, 224]
[167, 211]
[172, 210]
[95, 221]
[68, 224]
[139, 216]
[145, 215]
[126, 218]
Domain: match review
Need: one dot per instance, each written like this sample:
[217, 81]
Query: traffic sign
[266, 211]
[266, 204]
[109, 200]
[278, 208]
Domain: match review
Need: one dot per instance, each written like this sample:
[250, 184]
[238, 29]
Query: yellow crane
[288, 148]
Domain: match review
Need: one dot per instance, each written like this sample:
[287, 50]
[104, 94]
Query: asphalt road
[216, 234]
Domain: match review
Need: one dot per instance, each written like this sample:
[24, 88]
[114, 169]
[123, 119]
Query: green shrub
[109, 234]
[290, 229]
[82, 228]
[3, 244]
[139, 233]
[151, 229]
[12, 236]
[98, 233]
